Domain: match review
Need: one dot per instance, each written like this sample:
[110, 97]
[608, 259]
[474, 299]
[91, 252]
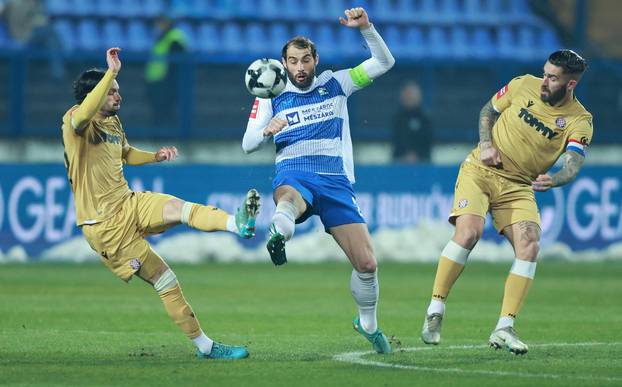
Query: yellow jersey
[94, 162]
[531, 134]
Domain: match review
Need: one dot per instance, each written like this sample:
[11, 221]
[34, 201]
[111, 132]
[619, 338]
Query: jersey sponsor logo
[112, 138]
[318, 112]
[254, 109]
[100, 136]
[535, 123]
[502, 91]
[560, 122]
[292, 118]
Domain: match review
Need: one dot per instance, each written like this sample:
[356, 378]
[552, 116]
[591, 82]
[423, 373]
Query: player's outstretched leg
[246, 214]
[209, 218]
[281, 230]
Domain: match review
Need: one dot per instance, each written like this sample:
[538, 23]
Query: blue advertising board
[36, 209]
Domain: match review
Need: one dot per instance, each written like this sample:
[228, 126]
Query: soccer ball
[266, 78]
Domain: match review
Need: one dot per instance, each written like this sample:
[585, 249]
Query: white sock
[504, 321]
[231, 226]
[365, 290]
[284, 219]
[436, 306]
[203, 343]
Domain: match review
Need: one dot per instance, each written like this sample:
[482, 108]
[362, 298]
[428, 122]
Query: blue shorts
[329, 196]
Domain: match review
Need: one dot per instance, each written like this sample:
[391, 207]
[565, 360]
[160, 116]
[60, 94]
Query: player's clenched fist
[166, 153]
[112, 58]
[356, 17]
[276, 125]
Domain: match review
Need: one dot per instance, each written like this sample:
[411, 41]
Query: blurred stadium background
[76, 325]
[459, 51]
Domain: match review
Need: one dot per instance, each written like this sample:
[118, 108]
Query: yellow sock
[450, 265]
[204, 218]
[517, 286]
[179, 310]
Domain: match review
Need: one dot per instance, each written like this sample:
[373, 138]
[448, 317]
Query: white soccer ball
[266, 78]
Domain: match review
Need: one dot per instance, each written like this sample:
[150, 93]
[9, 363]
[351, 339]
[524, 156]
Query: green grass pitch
[79, 325]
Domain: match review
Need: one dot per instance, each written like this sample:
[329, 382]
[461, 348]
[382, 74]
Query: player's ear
[284, 62]
[317, 59]
[571, 84]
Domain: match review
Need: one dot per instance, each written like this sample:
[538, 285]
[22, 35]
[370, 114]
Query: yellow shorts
[119, 241]
[479, 190]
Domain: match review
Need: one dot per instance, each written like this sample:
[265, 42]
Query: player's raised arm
[381, 58]
[97, 97]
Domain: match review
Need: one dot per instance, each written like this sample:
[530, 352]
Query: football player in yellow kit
[523, 130]
[115, 220]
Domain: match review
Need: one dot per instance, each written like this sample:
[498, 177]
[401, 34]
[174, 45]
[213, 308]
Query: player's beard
[304, 84]
[554, 97]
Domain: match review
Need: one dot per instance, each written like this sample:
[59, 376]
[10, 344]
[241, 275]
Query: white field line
[357, 358]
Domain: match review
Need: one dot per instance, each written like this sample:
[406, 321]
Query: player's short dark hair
[86, 82]
[572, 63]
[301, 42]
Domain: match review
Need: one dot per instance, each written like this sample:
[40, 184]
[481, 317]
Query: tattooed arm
[572, 164]
[489, 155]
[487, 118]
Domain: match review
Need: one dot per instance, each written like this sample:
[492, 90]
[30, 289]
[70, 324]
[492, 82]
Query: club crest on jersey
[292, 118]
[560, 122]
[502, 91]
[135, 263]
[463, 203]
[322, 91]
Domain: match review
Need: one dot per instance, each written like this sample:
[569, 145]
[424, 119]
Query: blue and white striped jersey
[317, 136]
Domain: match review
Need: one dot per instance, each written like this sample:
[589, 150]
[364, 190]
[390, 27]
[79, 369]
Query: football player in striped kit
[314, 168]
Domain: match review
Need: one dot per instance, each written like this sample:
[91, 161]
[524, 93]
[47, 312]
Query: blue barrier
[36, 209]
